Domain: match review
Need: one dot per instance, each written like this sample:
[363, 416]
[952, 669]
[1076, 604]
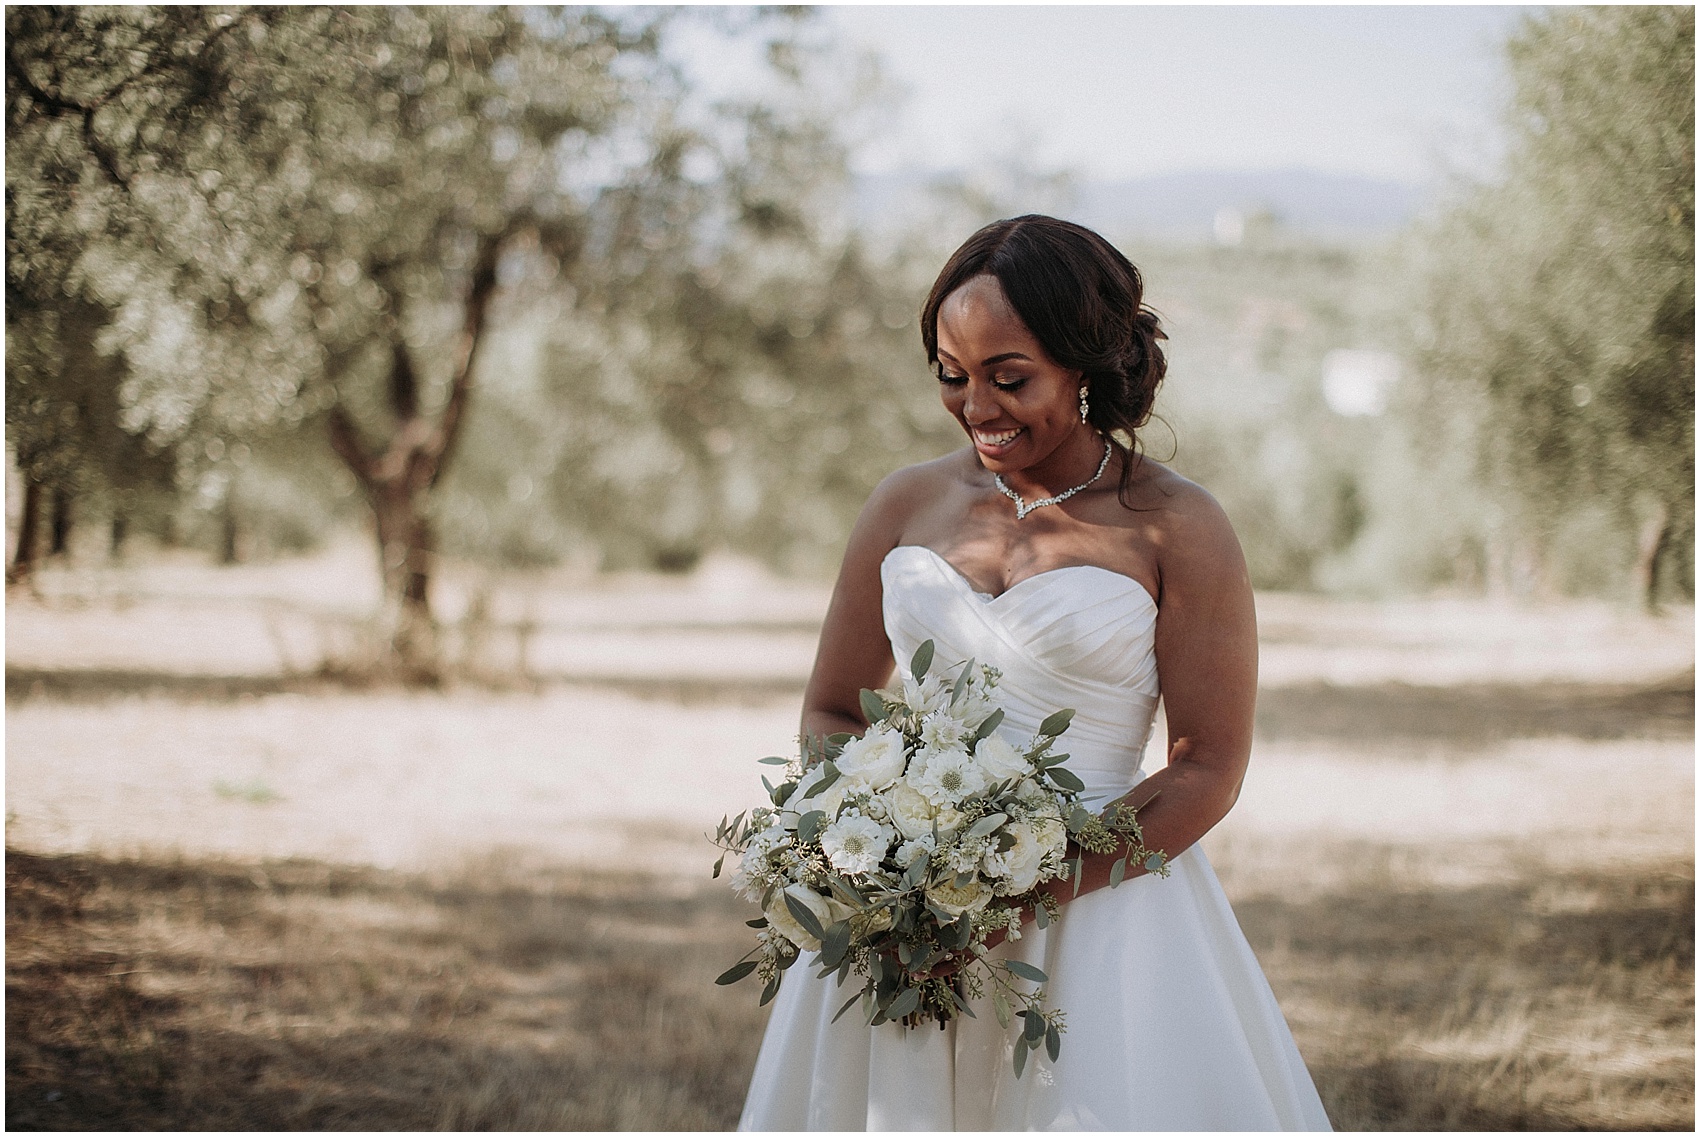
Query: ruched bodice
[1080, 637]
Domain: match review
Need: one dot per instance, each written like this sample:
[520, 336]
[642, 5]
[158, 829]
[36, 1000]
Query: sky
[1407, 93]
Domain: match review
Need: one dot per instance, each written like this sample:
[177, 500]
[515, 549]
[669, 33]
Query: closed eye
[951, 380]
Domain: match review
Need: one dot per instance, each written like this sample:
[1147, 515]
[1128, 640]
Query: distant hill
[1186, 205]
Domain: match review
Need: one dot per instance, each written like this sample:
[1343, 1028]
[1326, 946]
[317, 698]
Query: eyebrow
[993, 360]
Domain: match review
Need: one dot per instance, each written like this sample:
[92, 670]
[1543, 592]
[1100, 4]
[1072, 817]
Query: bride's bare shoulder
[904, 494]
[1185, 518]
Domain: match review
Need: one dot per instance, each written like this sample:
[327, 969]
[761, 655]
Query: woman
[1052, 550]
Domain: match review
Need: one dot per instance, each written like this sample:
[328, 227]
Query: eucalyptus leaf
[961, 683]
[1118, 871]
[1035, 1028]
[758, 922]
[1154, 862]
[720, 860]
[991, 724]
[1053, 1042]
[961, 1003]
[783, 794]
[1020, 1059]
[1079, 871]
[904, 1004]
[916, 873]
[921, 660]
[834, 944]
[848, 1003]
[1055, 724]
[801, 913]
[827, 779]
[1079, 819]
[874, 708]
[1000, 1006]
[985, 825]
[769, 991]
[1026, 970]
[736, 972]
[1041, 916]
[1066, 779]
[810, 824]
[773, 760]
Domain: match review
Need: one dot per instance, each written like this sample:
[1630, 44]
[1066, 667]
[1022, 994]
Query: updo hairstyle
[1082, 300]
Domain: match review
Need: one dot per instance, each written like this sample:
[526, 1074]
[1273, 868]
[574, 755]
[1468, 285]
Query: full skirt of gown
[1170, 1024]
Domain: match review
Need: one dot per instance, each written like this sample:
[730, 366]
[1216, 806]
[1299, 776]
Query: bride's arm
[1207, 660]
[853, 652]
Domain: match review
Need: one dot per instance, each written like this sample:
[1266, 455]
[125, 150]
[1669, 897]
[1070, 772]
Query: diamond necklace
[1022, 509]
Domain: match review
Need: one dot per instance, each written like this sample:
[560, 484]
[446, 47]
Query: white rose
[948, 776]
[909, 810]
[876, 759]
[825, 909]
[856, 844]
[804, 798]
[954, 901]
[1019, 864]
[914, 850]
[999, 759]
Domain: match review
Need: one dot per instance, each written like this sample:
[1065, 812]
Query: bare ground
[242, 896]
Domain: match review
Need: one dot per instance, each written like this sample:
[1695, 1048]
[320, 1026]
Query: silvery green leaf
[961, 683]
[827, 779]
[961, 1003]
[873, 707]
[848, 1003]
[1053, 1042]
[785, 964]
[1055, 724]
[916, 874]
[1000, 1005]
[1041, 916]
[985, 825]
[758, 922]
[769, 991]
[1065, 779]
[809, 825]
[904, 1004]
[921, 660]
[1079, 871]
[1079, 819]
[717, 863]
[1020, 1060]
[1154, 862]
[1118, 871]
[736, 972]
[801, 913]
[1026, 970]
[991, 724]
[773, 760]
[1035, 1028]
[834, 944]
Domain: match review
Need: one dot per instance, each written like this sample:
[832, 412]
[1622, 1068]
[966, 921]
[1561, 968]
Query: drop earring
[1083, 402]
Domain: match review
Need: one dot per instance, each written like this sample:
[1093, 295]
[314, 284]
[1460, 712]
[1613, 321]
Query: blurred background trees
[502, 286]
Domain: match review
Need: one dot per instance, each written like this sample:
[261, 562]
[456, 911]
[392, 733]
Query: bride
[1052, 550]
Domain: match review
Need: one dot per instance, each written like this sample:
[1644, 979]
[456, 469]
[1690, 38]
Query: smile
[986, 438]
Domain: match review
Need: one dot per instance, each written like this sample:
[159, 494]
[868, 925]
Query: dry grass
[215, 995]
[147, 995]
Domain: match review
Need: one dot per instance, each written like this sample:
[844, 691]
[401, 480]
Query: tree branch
[345, 440]
[478, 297]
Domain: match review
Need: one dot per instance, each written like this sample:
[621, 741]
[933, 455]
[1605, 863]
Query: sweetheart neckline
[993, 597]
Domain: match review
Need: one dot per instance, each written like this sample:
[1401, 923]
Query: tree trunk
[398, 477]
[120, 530]
[229, 546]
[1655, 539]
[29, 533]
[60, 529]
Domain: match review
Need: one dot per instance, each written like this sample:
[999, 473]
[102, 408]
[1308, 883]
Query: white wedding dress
[1170, 1022]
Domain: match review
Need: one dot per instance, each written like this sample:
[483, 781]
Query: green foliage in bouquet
[897, 855]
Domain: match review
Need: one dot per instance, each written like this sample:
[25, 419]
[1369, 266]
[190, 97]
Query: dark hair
[1083, 301]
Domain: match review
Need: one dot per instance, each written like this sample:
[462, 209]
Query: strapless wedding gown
[1170, 1022]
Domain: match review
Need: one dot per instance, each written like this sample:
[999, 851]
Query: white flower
[1019, 864]
[856, 844]
[952, 900]
[947, 776]
[909, 810]
[911, 851]
[876, 759]
[943, 731]
[825, 909]
[1029, 792]
[999, 759]
[929, 695]
[804, 798]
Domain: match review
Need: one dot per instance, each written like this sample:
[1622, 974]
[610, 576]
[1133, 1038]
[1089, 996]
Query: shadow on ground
[296, 995]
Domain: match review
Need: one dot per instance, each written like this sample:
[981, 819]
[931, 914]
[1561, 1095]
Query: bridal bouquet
[895, 856]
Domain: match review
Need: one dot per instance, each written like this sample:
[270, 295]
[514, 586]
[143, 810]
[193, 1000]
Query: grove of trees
[505, 279]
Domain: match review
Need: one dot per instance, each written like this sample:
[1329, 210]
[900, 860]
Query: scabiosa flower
[948, 776]
[856, 844]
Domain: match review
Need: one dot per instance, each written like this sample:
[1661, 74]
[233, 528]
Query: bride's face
[1017, 405]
